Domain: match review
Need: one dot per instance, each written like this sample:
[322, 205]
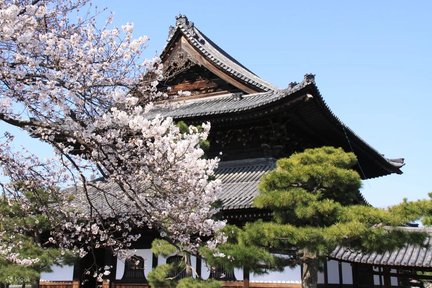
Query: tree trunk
[35, 282]
[309, 269]
[245, 277]
[188, 264]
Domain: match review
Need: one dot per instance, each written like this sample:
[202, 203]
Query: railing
[228, 284]
[127, 285]
[66, 284]
[239, 284]
[57, 284]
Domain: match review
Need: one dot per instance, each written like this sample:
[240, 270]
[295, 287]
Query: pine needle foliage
[315, 200]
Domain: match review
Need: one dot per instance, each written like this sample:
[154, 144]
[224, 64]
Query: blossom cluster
[85, 91]
[8, 252]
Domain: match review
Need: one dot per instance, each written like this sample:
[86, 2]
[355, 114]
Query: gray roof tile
[408, 256]
[240, 180]
[229, 103]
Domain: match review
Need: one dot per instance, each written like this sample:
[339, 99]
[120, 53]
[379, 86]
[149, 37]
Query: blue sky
[372, 61]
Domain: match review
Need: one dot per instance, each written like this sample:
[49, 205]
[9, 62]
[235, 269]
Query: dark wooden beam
[154, 260]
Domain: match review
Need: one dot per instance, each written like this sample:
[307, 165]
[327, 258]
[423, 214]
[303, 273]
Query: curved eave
[356, 143]
[307, 101]
[223, 109]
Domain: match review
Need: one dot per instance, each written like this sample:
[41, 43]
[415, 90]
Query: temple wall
[64, 273]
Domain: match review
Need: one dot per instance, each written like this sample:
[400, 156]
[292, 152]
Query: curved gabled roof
[213, 54]
[304, 103]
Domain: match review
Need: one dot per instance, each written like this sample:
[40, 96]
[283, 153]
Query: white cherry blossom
[84, 90]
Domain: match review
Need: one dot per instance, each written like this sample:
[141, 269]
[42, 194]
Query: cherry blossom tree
[85, 90]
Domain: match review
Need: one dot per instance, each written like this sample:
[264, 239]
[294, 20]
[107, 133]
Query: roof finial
[183, 23]
[291, 85]
[182, 20]
[171, 32]
[309, 78]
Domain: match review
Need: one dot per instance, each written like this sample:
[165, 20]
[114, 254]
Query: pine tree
[167, 275]
[316, 204]
[24, 235]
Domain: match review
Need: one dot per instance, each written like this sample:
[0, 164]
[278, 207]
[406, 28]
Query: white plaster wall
[321, 277]
[148, 257]
[377, 279]
[393, 280]
[347, 273]
[288, 274]
[333, 272]
[58, 273]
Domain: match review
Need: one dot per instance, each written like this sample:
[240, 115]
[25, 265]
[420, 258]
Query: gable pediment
[185, 71]
[193, 63]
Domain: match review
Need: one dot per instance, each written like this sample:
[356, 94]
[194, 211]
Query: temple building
[254, 124]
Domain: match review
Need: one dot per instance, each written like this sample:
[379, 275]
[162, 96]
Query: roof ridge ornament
[171, 32]
[237, 96]
[309, 78]
[291, 85]
[183, 23]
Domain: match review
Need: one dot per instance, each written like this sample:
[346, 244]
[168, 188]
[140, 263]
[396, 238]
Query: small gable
[183, 73]
[193, 63]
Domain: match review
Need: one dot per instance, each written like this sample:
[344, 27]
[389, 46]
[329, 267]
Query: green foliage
[323, 172]
[183, 127]
[159, 277]
[237, 252]
[165, 275]
[10, 273]
[421, 209]
[316, 205]
[26, 229]
[198, 283]
[163, 247]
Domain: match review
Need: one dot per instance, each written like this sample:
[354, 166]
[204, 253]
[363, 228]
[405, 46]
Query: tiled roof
[315, 113]
[240, 181]
[230, 103]
[215, 54]
[219, 105]
[101, 195]
[239, 178]
[408, 256]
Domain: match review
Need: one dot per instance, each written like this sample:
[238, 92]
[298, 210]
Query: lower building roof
[240, 179]
[410, 256]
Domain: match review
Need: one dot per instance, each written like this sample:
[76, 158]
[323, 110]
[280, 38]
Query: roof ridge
[247, 162]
